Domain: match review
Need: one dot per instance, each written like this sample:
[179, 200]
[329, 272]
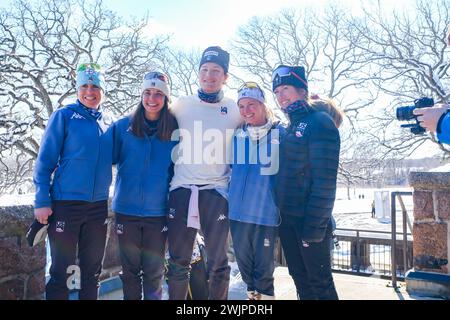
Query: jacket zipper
[147, 157]
[245, 178]
[98, 129]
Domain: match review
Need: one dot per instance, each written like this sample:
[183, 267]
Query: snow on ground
[356, 212]
[444, 168]
[237, 288]
[8, 200]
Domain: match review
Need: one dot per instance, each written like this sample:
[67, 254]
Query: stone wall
[22, 269]
[431, 229]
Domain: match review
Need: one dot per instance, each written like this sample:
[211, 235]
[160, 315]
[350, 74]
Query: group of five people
[203, 163]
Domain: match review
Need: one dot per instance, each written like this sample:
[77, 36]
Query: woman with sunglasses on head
[198, 190]
[72, 178]
[253, 214]
[142, 153]
[306, 186]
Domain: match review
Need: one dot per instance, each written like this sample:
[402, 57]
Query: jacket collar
[299, 114]
[80, 108]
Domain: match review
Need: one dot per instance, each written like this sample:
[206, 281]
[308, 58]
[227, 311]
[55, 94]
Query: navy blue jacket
[143, 172]
[77, 149]
[443, 130]
[309, 160]
[255, 163]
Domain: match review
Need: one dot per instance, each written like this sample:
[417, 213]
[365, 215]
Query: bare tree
[15, 171]
[182, 68]
[408, 53]
[41, 45]
[315, 40]
[319, 42]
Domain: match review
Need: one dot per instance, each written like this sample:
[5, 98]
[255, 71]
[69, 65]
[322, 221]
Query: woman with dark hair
[142, 151]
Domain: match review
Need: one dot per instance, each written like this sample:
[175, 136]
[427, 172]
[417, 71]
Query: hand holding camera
[429, 117]
[407, 113]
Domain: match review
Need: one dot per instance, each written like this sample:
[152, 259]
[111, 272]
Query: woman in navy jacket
[253, 214]
[142, 152]
[306, 186]
[72, 178]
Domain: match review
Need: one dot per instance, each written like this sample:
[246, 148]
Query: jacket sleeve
[443, 131]
[324, 148]
[49, 153]
[117, 142]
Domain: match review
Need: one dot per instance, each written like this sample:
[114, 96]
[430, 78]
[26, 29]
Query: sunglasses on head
[250, 85]
[156, 75]
[285, 71]
[84, 66]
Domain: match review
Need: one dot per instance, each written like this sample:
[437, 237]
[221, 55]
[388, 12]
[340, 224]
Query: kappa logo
[164, 229]
[119, 228]
[60, 225]
[223, 110]
[266, 242]
[76, 115]
[221, 217]
[300, 130]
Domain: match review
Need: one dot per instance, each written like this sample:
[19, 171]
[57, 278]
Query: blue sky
[200, 23]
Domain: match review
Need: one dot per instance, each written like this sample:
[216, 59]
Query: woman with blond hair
[254, 216]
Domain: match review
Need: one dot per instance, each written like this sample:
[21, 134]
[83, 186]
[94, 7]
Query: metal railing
[394, 195]
[364, 248]
[367, 252]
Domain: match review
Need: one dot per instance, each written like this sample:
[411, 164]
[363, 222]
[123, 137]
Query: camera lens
[405, 113]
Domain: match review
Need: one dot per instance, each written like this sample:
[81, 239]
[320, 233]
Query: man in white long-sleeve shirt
[199, 188]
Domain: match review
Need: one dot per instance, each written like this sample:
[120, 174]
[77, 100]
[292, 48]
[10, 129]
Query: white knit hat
[156, 80]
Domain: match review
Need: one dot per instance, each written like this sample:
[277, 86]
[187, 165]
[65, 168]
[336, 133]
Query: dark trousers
[142, 245]
[309, 267]
[76, 223]
[254, 249]
[215, 227]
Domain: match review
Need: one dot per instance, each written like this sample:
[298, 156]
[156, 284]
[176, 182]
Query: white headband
[254, 93]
